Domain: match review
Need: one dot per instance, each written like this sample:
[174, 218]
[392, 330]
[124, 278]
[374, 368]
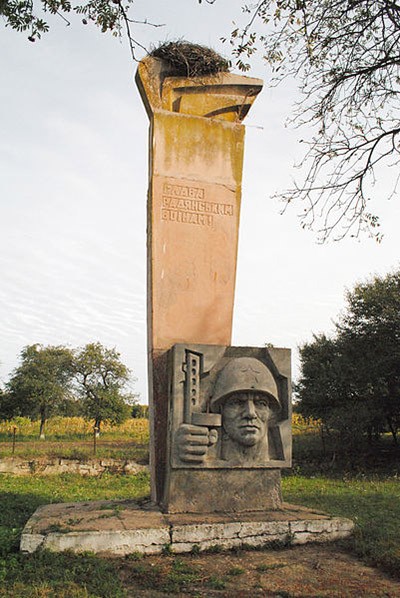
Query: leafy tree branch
[108, 15]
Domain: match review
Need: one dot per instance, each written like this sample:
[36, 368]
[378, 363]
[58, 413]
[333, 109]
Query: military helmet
[245, 374]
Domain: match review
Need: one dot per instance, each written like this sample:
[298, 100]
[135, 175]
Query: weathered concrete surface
[223, 490]
[195, 170]
[122, 526]
[49, 466]
[186, 406]
[214, 482]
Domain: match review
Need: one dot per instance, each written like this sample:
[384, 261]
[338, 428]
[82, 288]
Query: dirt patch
[312, 571]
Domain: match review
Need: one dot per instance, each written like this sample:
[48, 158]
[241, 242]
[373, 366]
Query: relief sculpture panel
[230, 407]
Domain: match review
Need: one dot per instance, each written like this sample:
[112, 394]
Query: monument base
[120, 527]
[189, 491]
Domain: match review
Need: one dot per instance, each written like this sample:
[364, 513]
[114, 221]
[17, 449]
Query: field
[365, 491]
[72, 437]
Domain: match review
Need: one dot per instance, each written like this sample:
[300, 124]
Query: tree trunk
[393, 431]
[97, 426]
[369, 436]
[322, 435]
[42, 425]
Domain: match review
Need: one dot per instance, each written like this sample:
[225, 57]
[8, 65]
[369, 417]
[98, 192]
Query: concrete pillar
[196, 147]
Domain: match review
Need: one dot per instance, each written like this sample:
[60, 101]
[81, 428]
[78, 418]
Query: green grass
[82, 451]
[364, 488]
[63, 575]
[216, 583]
[363, 485]
[235, 571]
[372, 503]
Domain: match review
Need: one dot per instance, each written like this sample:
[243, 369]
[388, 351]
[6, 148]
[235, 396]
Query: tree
[108, 15]
[139, 411]
[371, 326]
[39, 385]
[101, 383]
[6, 406]
[352, 380]
[332, 390]
[345, 54]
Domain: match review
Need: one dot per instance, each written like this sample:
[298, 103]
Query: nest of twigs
[190, 60]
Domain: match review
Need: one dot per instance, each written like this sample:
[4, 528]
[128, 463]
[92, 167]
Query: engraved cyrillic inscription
[188, 217]
[203, 207]
[181, 203]
[183, 191]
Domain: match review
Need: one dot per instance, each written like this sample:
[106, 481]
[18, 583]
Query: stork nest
[190, 60]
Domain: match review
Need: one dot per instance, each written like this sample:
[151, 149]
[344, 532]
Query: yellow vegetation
[137, 429]
[301, 425]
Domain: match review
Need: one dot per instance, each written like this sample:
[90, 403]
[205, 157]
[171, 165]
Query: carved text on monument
[187, 217]
[183, 191]
[181, 203]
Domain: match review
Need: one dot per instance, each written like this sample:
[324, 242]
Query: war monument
[220, 415]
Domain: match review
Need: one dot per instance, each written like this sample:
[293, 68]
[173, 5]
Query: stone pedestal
[122, 527]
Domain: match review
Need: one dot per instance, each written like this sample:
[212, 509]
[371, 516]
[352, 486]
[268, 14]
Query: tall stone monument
[220, 416]
[195, 173]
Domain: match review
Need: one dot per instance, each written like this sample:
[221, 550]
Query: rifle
[192, 414]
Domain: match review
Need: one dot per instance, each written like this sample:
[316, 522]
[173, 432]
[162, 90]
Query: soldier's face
[245, 417]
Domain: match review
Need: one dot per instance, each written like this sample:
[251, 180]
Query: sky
[73, 184]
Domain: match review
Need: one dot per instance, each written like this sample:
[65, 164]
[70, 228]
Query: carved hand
[193, 441]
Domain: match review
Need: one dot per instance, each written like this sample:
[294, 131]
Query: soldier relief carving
[233, 415]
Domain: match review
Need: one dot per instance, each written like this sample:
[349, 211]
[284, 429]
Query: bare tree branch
[346, 56]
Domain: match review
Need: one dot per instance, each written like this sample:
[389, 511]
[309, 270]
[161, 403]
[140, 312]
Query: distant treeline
[89, 381]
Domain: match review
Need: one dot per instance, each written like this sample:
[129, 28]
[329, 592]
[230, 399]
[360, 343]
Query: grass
[368, 492]
[63, 575]
[363, 485]
[233, 571]
[262, 568]
[45, 575]
[66, 575]
[82, 451]
[174, 576]
[216, 583]
[372, 503]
